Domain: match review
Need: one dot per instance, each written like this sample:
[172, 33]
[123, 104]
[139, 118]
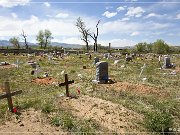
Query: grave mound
[30, 122]
[44, 80]
[136, 88]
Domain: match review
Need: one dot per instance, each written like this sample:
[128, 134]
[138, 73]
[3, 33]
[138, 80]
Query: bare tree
[25, 39]
[95, 36]
[85, 32]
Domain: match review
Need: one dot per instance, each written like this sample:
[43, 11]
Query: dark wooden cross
[66, 83]
[9, 95]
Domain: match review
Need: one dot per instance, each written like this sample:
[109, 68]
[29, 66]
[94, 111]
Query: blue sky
[123, 22]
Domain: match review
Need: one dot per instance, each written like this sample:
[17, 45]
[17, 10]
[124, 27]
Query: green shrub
[158, 121]
[47, 108]
[56, 121]
[68, 122]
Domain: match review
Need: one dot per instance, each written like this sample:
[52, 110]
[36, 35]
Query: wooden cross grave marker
[9, 95]
[66, 83]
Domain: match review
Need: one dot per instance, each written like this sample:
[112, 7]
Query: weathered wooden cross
[66, 83]
[9, 95]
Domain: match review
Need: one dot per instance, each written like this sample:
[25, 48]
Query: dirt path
[30, 122]
[113, 117]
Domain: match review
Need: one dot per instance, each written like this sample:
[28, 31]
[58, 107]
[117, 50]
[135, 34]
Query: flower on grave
[14, 110]
[78, 91]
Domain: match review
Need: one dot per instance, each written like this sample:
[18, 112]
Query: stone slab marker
[102, 72]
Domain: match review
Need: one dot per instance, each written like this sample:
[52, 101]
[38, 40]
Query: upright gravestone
[167, 62]
[102, 72]
[106, 55]
[96, 60]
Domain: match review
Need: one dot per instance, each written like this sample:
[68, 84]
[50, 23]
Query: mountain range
[4, 43]
[64, 45]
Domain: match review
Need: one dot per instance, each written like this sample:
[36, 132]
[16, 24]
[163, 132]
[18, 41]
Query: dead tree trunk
[25, 40]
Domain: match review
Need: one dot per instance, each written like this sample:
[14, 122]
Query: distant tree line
[159, 47]
[43, 39]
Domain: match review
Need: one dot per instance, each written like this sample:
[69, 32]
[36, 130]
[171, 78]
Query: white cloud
[135, 11]
[47, 4]
[109, 14]
[155, 26]
[125, 19]
[177, 16]
[120, 9]
[108, 7]
[153, 15]
[118, 42]
[136, 33]
[32, 25]
[120, 27]
[12, 3]
[72, 40]
[62, 15]
[14, 15]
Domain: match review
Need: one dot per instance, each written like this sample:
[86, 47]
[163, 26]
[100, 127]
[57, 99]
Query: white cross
[142, 68]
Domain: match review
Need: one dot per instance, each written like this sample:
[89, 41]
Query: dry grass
[158, 92]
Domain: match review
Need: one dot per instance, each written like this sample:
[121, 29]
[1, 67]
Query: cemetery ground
[146, 104]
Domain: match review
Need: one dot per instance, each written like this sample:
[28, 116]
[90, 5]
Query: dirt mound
[136, 88]
[30, 122]
[7, 66]
[45, 80]
[113, 117]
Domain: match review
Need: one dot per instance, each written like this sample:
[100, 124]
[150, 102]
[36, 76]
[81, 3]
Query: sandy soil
[1, 90]
[7, 66]
[136, 88]
[30, 122]
[113, 117]
[45, 81]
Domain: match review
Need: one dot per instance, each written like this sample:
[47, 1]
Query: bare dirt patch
[7, 66]
[30, 122]
[45, 81]
[136, 88]
[113, 117]
[1, 90]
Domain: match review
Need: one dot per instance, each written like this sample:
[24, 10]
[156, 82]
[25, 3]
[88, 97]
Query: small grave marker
[66, 83]
[17, 63]
[96, 60]
[9, 95]
[142, 69]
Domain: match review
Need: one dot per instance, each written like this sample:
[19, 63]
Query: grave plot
[134, 88]
[6, 65]
[31, 121]
[44, 80]
[113, 117]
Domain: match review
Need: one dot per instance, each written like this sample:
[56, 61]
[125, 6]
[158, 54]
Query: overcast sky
[123, 22]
